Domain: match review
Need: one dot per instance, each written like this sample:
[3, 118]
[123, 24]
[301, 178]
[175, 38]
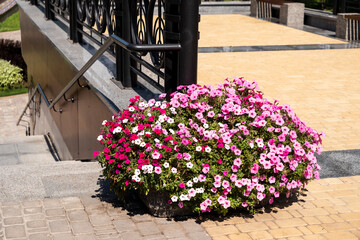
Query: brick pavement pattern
[10, 110]
[328, 209]
[320, 85]
[240, 30]
[76, 218]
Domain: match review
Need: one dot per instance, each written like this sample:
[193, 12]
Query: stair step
[53, 180]
[24, 150]
[28, 171]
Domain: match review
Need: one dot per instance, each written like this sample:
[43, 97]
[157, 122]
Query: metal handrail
[122, 43]
[37, 89]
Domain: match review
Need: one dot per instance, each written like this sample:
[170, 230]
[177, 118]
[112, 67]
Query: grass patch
[13, 92]
[12, 23]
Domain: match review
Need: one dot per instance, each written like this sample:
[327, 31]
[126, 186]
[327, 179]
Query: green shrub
[10, 76]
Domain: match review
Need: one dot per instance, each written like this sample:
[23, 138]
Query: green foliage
[13, 92]
[12, 23]
[10, 76]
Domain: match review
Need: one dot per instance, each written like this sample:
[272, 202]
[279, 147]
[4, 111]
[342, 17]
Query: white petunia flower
[199, 190]
[173, 170]
[166, 164]
[135, 129]
[184, 197]
[100, 137]
[195, 179]
[174, 198]
[198, 148]
[189, 184]
[208, 149]
[189, 165]
[104, 122]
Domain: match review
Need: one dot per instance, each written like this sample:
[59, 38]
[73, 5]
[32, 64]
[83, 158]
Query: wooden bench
[291, 13]
[348, 26]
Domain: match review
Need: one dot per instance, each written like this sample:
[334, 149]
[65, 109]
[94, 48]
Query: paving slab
[11, 108]
[320, 85]
[241, 30]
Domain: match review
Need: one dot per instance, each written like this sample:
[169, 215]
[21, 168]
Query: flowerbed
[210, 148]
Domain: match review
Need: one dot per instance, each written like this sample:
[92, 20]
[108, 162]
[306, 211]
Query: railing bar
[59, 15]
[89, 36]
[144, 47]
[37, 88]
[148, 66]
[43, 94]
[121, 42]
[27, 105]
[87, 65]
[148, 79]
[93, 30]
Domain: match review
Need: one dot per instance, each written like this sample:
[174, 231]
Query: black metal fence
[334, 6]
[150, 22]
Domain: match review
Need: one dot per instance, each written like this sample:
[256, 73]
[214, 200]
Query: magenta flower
[182, 185]
[206, 168]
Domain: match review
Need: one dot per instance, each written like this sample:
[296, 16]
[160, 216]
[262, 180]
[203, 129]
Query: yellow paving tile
[240, 30]
[320, 85]
[222, 230]
[340, 235]
[220, 238]
[294, 222]
[252, 227]
[285, 232]
[242, 236]
[317, 229]
[335, 227]
[232, 220]
[310, 212]
[314, 237]
[260, 235]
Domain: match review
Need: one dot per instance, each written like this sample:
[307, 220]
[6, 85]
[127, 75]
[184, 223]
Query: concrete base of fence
[292, 15]
[254, 8]
[343, 30]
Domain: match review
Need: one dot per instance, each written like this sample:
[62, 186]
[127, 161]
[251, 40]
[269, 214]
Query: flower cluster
[210, 148]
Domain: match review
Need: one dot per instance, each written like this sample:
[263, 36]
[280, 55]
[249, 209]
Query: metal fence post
[189, 36]
[74, 35]
[122, 29]
[181, 25]
[49, 15]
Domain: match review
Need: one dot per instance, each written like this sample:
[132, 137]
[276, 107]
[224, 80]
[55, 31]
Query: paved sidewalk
[10, 110]
[240, 30]
[328, 209]
[87, 218]
[12, 35]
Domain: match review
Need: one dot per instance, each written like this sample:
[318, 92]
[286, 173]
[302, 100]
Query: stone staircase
[28, 171]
